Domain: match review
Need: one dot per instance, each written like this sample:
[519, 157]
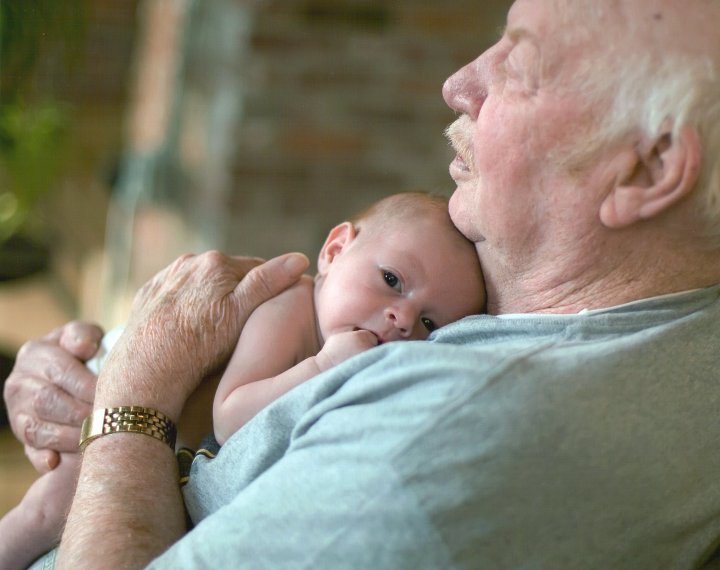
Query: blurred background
[132, 131]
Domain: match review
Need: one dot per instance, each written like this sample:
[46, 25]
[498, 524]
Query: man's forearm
[127, 508]
[185, 321]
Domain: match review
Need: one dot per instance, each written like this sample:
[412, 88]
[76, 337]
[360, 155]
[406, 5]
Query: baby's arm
[34, 526]
[265, 364]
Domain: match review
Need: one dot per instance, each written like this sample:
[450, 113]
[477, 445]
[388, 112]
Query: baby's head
[400, 269]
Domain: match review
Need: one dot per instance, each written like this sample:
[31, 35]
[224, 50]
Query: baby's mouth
[377, 336]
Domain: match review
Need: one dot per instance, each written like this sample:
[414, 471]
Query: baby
[397, 271]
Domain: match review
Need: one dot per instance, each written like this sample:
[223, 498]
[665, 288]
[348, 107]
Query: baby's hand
[341, 346]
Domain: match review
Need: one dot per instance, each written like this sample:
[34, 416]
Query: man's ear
[665, 172]
[338, 239]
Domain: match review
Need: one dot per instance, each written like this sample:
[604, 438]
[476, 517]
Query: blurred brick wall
[344, 106]
[341, 105]
[92, 87]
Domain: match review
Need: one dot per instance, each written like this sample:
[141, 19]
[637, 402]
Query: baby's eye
[391, 279]
[428, 324]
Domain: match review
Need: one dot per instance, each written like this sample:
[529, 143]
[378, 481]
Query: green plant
[32, 122]
[30, 160]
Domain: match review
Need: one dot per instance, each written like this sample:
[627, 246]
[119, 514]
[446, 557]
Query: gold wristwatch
[128, 419]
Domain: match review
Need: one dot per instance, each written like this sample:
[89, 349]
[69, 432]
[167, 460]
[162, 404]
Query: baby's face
[401, 285]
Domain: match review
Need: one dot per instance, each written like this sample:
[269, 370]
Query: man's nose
[465, 90]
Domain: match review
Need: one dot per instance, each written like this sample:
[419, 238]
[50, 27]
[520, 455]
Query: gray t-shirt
[545, 441]
[525, 441]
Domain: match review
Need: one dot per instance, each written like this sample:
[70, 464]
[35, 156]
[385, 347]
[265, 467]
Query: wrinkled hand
[341, 346]
[184, 324]
[50, 391]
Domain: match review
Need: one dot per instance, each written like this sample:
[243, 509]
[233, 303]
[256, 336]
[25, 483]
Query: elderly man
[573, 427]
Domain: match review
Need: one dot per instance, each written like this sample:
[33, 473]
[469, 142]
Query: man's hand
[185, 321]
[341, 346]
[184, 324]
[50, 391]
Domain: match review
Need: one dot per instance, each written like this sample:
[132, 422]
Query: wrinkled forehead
[625, 22]
[567, 21]
[579, 12]
[586, 40]
[560, 28]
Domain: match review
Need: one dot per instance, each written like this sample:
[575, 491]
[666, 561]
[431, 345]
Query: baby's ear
[337, 240]
[665, 172]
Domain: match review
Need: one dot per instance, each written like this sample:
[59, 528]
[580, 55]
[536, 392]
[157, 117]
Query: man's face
[399, 285]
[519, 107]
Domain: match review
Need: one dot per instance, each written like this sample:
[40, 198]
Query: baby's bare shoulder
[295, 300]
[288, 318]
[302, 291]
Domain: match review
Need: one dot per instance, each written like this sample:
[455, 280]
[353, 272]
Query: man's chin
[466, 227]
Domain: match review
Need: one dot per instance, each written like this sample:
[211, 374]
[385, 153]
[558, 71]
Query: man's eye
[391, 279]
[522, 68]
[428, 324]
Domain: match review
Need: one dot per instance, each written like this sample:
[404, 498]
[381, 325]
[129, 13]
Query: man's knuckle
[43, 399]
[29, 430]
[50, 438]
[57, 370]
[214, 257]
[11, 388]
[29, 347]
[179, 262]
[214, 263]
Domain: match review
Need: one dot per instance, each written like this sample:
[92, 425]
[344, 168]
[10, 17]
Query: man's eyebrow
[517, 34]
[514, 34]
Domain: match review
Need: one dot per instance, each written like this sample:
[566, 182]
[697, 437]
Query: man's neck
[568, 285]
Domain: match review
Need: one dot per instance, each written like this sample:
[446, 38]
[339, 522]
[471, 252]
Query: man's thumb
[271, 278]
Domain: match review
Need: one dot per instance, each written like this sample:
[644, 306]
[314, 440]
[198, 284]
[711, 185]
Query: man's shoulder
[501, 437]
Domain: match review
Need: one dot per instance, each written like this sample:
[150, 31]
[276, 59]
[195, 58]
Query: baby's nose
[403, 319]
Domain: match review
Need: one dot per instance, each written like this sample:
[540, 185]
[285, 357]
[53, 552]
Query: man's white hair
[685, 91]
[640, 93]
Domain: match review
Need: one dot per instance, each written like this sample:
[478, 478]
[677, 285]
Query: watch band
[128, 419]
